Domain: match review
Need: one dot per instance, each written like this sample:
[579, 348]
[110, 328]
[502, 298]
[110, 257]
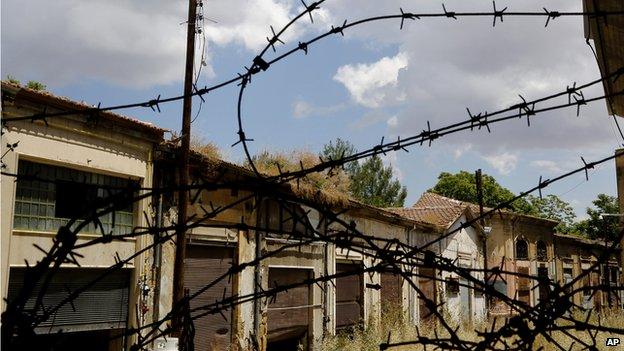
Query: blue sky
[376, 81]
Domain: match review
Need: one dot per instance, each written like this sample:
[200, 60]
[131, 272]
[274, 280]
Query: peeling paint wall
[101, 148]
[463, 247]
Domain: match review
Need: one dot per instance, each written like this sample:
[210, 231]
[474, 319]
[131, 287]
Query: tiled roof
[439, 216]
[435, 209]
[60, 102]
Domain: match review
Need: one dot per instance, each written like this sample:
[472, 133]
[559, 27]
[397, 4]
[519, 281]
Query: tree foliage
[462, 186]
[371, 181]
[601, 227]
[552, 207]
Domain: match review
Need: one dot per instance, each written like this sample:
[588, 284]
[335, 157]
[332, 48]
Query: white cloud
[467, 63]
[504, 163]
[392, 159]
[460, 150]
[130, 43]
[547, 165]
[374, 85]
[369, 119]
[392, 121]
[302, 109]
[68, 41]
[246, 22]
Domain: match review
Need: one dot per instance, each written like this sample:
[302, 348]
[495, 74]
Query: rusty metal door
[289, 312]
[349, 295]
[203, 265]
[426, 283]
[524, 285]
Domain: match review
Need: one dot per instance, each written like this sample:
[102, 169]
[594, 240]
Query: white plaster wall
[464, 247]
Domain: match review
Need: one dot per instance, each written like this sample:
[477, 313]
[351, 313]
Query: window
[452, 286]
[43, 205]
[284, 219]
[522, 250]
[614, 275]
[542, 251]
[586, 283]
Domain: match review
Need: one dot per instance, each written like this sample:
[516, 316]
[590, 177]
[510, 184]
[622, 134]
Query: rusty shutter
[204, 264]
[426, 283]
[391, 289]
[289, 311]
[349, 297]
[102, 306]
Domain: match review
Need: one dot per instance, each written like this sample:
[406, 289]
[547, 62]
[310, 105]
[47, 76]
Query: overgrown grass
[395, 324]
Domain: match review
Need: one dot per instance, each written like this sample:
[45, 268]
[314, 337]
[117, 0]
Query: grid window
[62, 194]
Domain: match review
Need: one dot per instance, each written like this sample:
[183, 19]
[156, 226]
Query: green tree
[373, 184]
[338, 149]
[552, 207]
[370, 181]
[601, 227]
[462, 186]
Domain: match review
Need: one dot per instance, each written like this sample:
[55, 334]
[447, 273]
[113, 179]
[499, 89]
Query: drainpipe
[156, 263]
[257, 272]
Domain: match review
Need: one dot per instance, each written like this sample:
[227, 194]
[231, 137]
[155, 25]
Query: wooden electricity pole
[479, 183]
[178, 270]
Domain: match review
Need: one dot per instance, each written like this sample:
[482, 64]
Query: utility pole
[479, 183]
[178, 270]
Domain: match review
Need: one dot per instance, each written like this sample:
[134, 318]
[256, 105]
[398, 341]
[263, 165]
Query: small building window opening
[522, 249]
[452, 286]
[542, 251]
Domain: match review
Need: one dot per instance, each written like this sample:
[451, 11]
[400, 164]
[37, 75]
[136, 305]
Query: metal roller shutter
[102, 306]
[202, 265]
[289, 312]
[349, 296]
[391, 289]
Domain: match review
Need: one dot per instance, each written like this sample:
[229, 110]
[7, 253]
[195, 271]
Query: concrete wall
[506, 229]
[71, 142]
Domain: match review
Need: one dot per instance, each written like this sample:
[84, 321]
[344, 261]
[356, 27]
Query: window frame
[35, 201]
[516, 255]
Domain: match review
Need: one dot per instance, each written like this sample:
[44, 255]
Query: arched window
[542, 251]
[522, 250]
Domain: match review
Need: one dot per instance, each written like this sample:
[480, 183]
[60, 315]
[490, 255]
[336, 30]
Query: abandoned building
[73, 160]
[523, 244]
[296, 234]
[576, 255]
[290, 233]
[464, 247]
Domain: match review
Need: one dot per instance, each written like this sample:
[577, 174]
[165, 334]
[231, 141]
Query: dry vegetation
[205, 148]
[400, 329]
[329, 188]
